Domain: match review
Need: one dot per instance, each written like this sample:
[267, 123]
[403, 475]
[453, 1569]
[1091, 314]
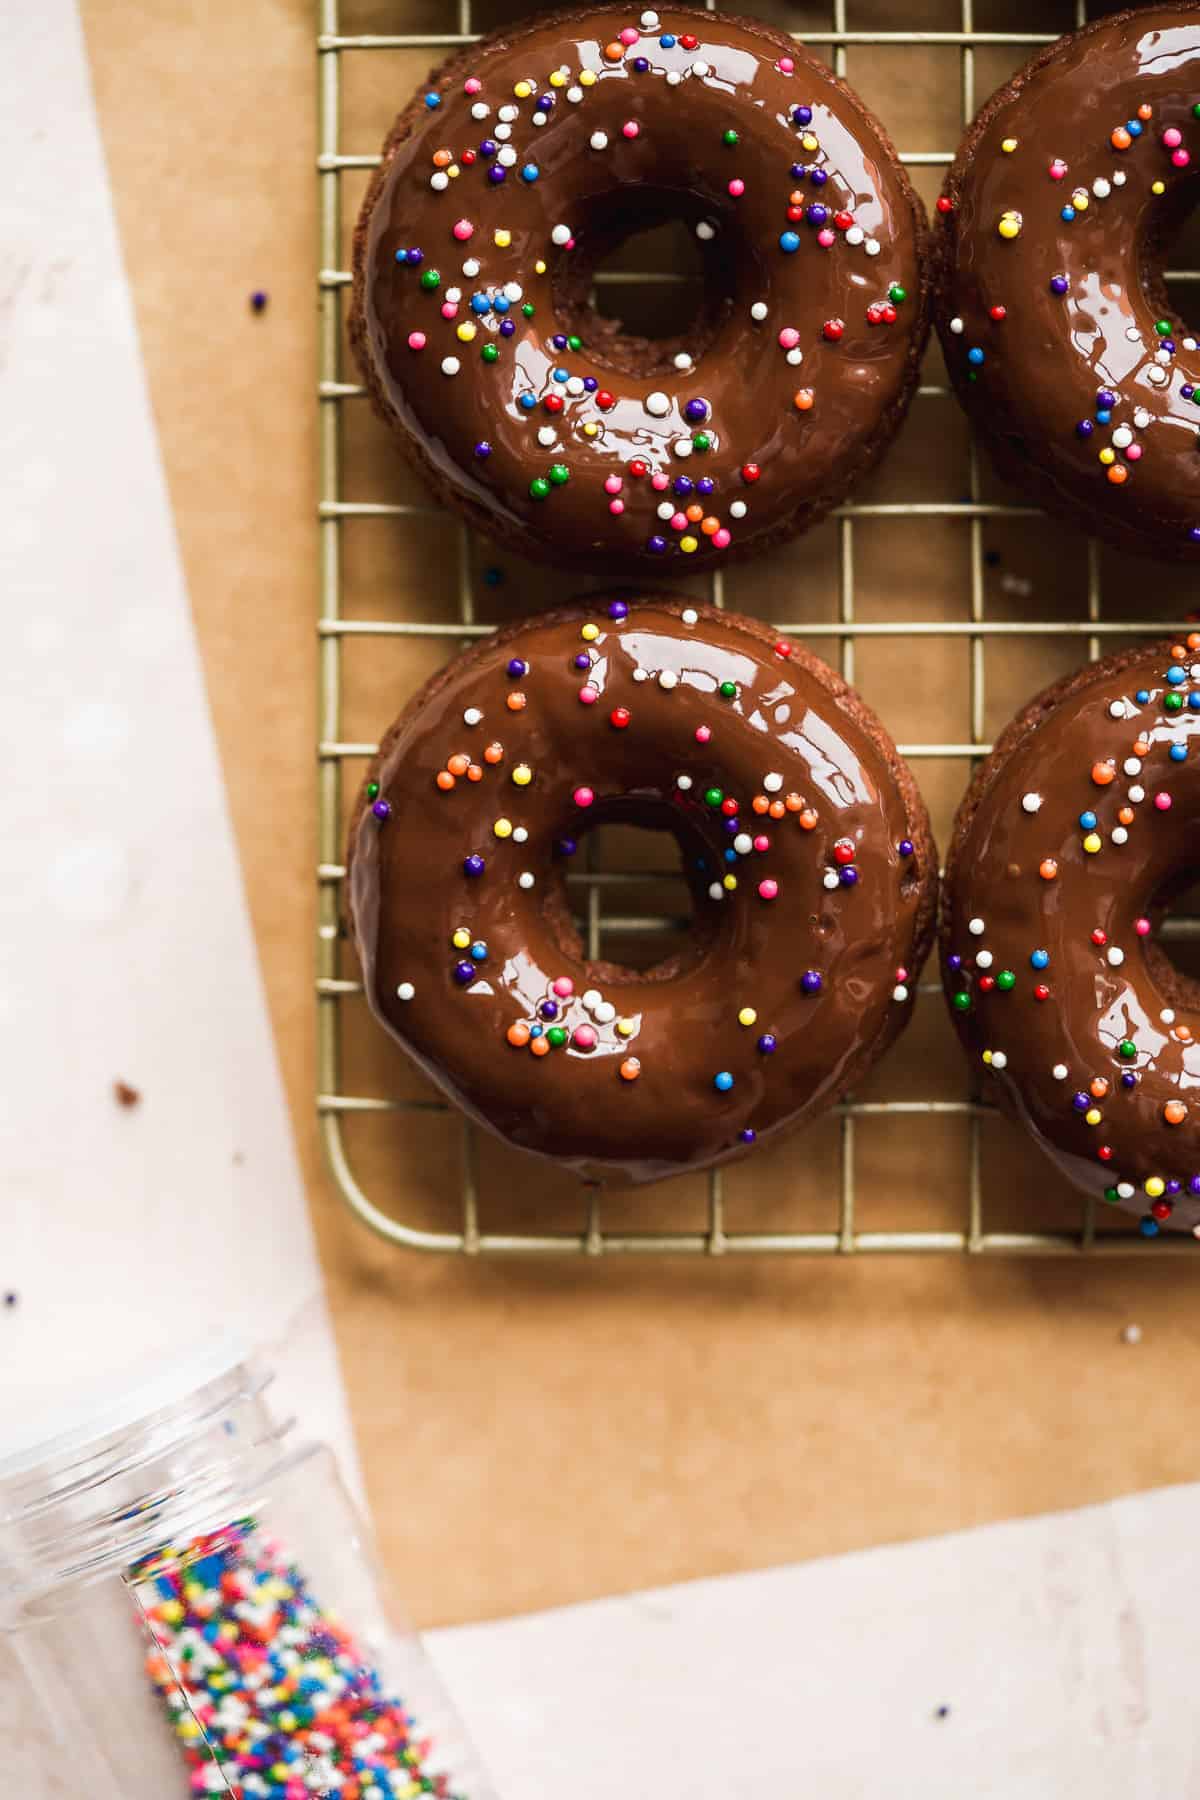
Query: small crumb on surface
[10, 1299]
[124, 1095]
[941, 1712]
[258, 301]
[1132, 1334]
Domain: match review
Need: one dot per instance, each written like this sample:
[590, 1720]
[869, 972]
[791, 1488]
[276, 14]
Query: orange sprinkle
[1183, 1033]
[474, 772]
[516, 702]
[777, 809]
[1048, 868]
[1120, 139]
[802, 399]
[445, 780]
[631, 1068]
[1145, 110]
[709, 525]
[808, 819]
[760, 803]
[518, 1034]
[1118, 473]
[1098, 1088]
[613, 52]
[793, 802]
[795, 198]
[442, 159]
[1174, 1112]
[1142, 747]
[494, 753]
[1126, 815]
[458, 763]
[1103, 772]
[1194, 640]
[694, 513]
[1177, 652]
[540, 1046]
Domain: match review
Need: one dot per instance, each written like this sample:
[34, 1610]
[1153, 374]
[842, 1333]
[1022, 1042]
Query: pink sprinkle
[1180, 158]
[629, 35]
[612, 484]
[659, 482]
[1172, 138]
[737, 188]
[826, 237]
[416, 340]
[1163, 802]
[702, 734]
[463, 229]
[583, 1037]
[762, 843]
[1142, 927]
[1133, 453]
[721, 539]
[617, 507]
[785, 65]
[630, 128]
[767, 890]
[588, 696]
[789, 337]
[678, 521]
[472, 85]
[584, 796]
[563, 987]
[449, 309]
[1058, 169]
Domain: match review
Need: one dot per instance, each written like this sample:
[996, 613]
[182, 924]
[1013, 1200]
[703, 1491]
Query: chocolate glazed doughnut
[808, 851]
[1059, 335]
[1076, 832]
[528, 158]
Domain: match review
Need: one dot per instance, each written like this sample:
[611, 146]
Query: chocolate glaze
[1035, 394]
[731, 76]
[791, 734]
[1063, 760]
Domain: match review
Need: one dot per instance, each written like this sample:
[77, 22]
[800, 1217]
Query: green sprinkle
[556, 1036]
[574, 343]
[962, 1001]
[527, 309]
[1163, 327]
[729, 137]
[702, 442]
[490, 353]
[1127, 1049]
[539, 487]
[1111, 1195]
[430, 279]
[896, 294]
[1196, 110]
[559, 473]
[728, 690]
[713, 797]
[1173, 703]
[372, 790]
[1006, 979]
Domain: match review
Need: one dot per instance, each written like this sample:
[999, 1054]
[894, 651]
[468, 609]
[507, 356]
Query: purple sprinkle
[1173, 1186]
[464, 972]
[656, 544]
[488, 147]
[545, 102]
[1105, 398]
[566, 846]
[810, 981]
[1059, 284]
[1085, 428]
[1194, 533]
[905, 846]
[802, 115]
[382, 810]
[549, 1009]
[473, 865]
[848, 875]
[517, 667]
[590, 384]
[1187, 391]
[818, 177]
[618, 609]
[416, 256]
[483, 449]
[954, 962]
[816, 214]
[258, 299]
[497, 173]
[507, 328]
[733, 826]
[582, 660]
[747, 1134]
[682, 484]
[641, 64]
[1194, 1185]
[798, 171]
[766, 1043]
[559, 341]
[705, 485]
[1081, 1103]
[696, 410]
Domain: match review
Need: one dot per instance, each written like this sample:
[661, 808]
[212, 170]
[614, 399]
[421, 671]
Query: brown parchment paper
[541, 1433]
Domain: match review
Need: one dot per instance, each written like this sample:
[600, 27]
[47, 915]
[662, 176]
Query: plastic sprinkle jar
[198, 1610]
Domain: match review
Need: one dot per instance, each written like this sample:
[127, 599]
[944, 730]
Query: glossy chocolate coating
[1076, 366]
[790, 734]
[1034, 874]
[621, 404]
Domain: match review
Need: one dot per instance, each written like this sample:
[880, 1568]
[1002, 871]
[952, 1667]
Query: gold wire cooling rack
[341, 40]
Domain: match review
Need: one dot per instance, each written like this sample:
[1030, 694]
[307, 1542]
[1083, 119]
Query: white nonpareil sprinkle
[1132, 766]
[1101, 188]
[737, 509]
[480, 110]
[1119, 835]
[975, 927]
[591, 998]
[1125, 1190]
[471, 268]
[1137, 795]
[454, 295]
[1031, 803]
[999, 1060]
[599, 140]
[509, 113]
[513, 291]
[665, 510]
[525, 879]
[1122, 437]
[1156, 375]
[1167, 1015]
[758, 311]
[405, 991]
[900, 992]
[575, 384]
[984, 960]
[574, 95]
[772, 782]
[439, 181]
[561, 235]
[673, 78]
[657, 404]
[450, 365]
[668, 679]
[1060, 1071]
[683, 360]
[795, 357]
[1119, 178]
[1141, 418]
[649, 21]
[547, 435]
[682, 446]
[507, 156]
[855, 235]
[520, 835]
[683, 783]
[700, 67]
[1116, 957]
[689, 615]
[1132, 1334]
[539, 118]
[1116, 709]
[716, 891]
[705, 230]
[503, 132]
[605, 1013]
[956, 325]
[743, 843]
[640, 675]
[830, 879]
[1133, 335]
[872, 246]
[472, 716]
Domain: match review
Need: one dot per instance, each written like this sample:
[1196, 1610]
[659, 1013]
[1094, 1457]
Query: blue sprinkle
[1040, 958]
[500, 304]
[731, 855]
[788, 242]
[402, 256]
[561, 375]
[1178, 753]
[1088, 821]
[1104, 416]
[433, 101]
[1133, 127]
[479, 951]
[1068, 213]
[1194, 700]
[530, 172]
[724, 1081]
[1142, 696]
[480, 303]
[667, 41]
[1176, 677]
[1148, 1227]
[975, 356]
[527, 402]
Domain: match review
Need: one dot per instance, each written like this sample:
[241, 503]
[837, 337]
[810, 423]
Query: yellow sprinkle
[522, 774]
[503, 828]
[502, 239]
[1092, 1116]
[587, 77]
[688, 544]
[1009, 225]
[461, 938]
[591, 429]
[453, 170]
[589, 632]
[1108, 456]
[1154, 1186]
[809, 142]
[1079, 199]
[1008, 146]
[522, 90]
[559, 78]
[729, 883]
[626, 1027]
[539, 267]
[466, 331]
[987, 1056]
[1158, 187]
[1092, 843]
[747, 1016]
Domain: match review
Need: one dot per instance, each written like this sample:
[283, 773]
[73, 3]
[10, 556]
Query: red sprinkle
[944, 205]
[782, 649]
[619, 716]
[998, 314]
[750, 472]
[833, 329]
[604, 400]
[553, 403]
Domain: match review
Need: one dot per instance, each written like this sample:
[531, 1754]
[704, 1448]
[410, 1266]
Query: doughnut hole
[638, 298]
[1172, 949]
[1172, 241]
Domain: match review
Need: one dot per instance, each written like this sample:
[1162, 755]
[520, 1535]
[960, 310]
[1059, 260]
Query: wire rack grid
[336, 625]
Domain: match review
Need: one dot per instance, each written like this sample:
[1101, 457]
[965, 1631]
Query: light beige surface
[536, 1434]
